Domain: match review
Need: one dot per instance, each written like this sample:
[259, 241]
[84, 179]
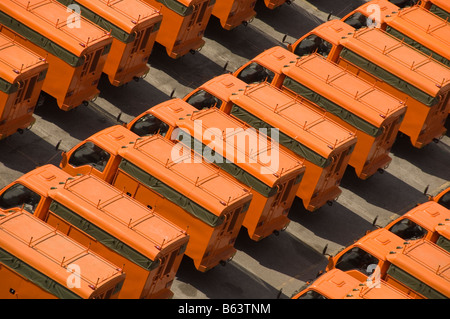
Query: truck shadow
[432, 158]
[284, 254]
[78, 123]
[338, 8]
[21, 153]
[292, 19]
[145, 95]
[222, 282]
[384, 191]
[336, 223]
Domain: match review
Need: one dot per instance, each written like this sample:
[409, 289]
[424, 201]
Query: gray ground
[278, 265]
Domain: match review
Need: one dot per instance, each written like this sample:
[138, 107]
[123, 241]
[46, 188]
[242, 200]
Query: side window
[357, 20]
[149, 125]
[255, 73]
[311, 44]
[311, 294]
[356, 259]
[203, 100]
[445, 200]
[90, 154]
[18, 196]
[404, 3]
[408, 230]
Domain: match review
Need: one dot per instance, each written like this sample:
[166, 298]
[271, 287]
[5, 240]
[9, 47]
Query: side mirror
[329, 16]
[118, 119]
[324, 251]
[374, 223]
[57, 145]
[425, 192]
[288, 44]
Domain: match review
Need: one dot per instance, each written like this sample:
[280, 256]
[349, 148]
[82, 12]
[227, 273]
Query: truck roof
[275, 58]
[427, 28]
[332, 31]
[125, 14]
[337, 284]
[185, 116]
[429, 214]
[441, 3]
[17, 61]
[222, 86]
[385, 6]
[50, 19]
[345, 89]
[399, 59]
[109, 209]
[50, 252]
[307, 125]
[201, 182]
[427, 262]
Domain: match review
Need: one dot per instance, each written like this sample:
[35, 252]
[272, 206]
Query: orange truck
[429, 220]
[418, 268]
[324, 146]
[145, 245]
[22, 74]
[133, 24]
[197, 197]
[39, 262]
[252, 158]
[390, 65]
[372, 114]
[74, 48]
[441, 8]
[415, 26]
[234, 13]
[337, 284]
[183, 24]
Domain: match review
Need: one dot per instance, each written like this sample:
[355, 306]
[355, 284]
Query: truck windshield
[357, 259]
[255, 73]
[357, 20]
[408, 230]
[404, 3]
[445, 200]
[311, 44]
[311, 294]
[149, 125]
[20, 196]
[203, 100]
[90, 154]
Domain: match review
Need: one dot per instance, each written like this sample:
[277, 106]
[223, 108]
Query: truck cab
[323, 145]
[413, 25]
[428, 221]
[394, 67]
[355, 104]
[272, 174]
[106, 220]
[415, 267]
[197, 197]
